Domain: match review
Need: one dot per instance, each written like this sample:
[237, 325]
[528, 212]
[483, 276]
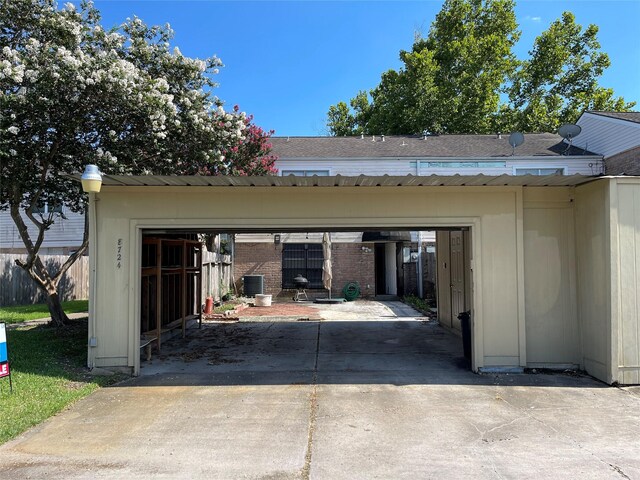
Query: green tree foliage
[452, 80]
[73, 93]
[560, 79]
[341, 121]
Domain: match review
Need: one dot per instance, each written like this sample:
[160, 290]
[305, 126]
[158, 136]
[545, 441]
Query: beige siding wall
[594, 284]
[492, 212]
[550, 278]
[501, 288]
[626, 284]
[115, 291]
[608, 257]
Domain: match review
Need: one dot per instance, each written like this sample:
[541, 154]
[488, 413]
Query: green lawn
[48, 367]
[23, 313]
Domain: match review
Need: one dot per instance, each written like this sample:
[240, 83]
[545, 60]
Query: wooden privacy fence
[216, 275]
[17, 288]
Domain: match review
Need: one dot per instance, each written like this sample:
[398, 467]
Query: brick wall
[353, 264]
[350, 264]
[259, 259]
[627, 162]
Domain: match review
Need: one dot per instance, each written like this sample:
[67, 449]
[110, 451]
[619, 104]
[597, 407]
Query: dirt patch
[207, 343]
[71, 385]
[281, 310]
[217, 358]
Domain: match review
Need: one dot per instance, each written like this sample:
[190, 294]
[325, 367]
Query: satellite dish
[569, 131]
[515, 140]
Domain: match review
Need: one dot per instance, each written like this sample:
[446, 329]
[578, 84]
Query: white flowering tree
[73, 93]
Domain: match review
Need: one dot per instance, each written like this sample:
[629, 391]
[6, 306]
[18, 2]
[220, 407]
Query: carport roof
[343, 181]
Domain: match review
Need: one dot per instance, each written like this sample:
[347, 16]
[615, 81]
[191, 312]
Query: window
[409, 256]
[226, 243]
[540, 171]
[480, 164]
[44, 208]
[302, 259]
[306, 173]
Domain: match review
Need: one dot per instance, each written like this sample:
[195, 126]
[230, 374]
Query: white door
[443, 281]
[457, 277]
[390, 268]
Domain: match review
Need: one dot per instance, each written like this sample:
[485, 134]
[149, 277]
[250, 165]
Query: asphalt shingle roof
[628, 116]
[542, 144]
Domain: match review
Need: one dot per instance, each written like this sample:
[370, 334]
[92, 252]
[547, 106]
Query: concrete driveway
[371, 391]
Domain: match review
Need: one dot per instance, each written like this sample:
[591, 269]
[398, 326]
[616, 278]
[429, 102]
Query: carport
[554, 260]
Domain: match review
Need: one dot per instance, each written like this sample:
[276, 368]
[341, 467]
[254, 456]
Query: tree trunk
[35, 267]
[58, 317]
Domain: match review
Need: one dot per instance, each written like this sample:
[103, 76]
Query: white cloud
[533, 19]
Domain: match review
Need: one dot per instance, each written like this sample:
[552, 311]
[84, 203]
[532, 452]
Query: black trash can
[465, 326]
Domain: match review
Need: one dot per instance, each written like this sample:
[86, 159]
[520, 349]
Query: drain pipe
[93, 252]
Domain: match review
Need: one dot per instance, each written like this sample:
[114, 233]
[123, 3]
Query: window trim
[458, 164]
[45, 210]
[294, 171]
[530, 166]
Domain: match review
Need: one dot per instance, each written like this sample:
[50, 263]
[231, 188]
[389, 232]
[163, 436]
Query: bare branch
[78, 253]
[32, 273]
[32, 250]
[71, 260]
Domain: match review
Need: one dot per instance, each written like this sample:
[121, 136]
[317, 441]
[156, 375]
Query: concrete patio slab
[371, 391]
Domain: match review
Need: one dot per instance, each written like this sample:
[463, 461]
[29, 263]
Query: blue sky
[286, 62]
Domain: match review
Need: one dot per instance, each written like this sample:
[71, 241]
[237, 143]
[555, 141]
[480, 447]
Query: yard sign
[4, 354]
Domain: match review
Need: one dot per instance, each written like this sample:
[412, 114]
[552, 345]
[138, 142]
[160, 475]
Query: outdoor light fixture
[91, 179]
[276, 239]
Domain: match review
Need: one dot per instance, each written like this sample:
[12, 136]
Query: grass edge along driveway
[24, 313]
[48, 367]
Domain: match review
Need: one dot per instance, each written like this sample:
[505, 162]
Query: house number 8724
[119, 254]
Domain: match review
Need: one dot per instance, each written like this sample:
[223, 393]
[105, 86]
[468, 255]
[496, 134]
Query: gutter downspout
[93, 251]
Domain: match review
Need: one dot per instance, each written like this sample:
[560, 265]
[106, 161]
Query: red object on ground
[208, 306]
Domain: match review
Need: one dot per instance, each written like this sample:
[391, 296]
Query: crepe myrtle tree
[73, 93]
[249, 156]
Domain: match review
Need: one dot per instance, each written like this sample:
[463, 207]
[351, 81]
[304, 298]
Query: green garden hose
[351, 291]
